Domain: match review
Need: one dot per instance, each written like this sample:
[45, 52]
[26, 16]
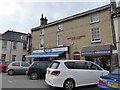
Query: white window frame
[94, 17]
[42, 31]
[14, 45]
[4, 44]
[98, 35]
[60, 27]
[58, 41]
[41, 43]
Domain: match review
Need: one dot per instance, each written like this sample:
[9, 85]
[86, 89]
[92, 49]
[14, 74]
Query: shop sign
[48, 50]
[76, 38]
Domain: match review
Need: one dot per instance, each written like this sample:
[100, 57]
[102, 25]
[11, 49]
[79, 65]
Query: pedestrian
[95, 61]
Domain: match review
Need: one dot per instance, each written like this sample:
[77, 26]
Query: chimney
[43, 21]
[113, 6]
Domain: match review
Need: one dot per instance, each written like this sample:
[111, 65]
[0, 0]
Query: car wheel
[69, 84]
[11, 72]
[33, 76]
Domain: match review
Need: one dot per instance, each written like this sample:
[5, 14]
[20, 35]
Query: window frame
[93, 39]
[4, 44]
[59, 40]
[14, 58]
[14, 46]
[41, 43]
[93, 16]
[42, 31]
[60, 27]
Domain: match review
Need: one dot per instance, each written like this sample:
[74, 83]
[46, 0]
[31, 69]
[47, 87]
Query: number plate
[114, 84]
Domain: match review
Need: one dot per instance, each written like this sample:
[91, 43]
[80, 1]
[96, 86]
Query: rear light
[101, 81]
[55, 73]
[29, 68]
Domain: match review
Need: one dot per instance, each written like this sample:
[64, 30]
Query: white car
[68, 74]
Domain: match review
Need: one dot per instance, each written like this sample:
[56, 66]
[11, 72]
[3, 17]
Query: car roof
[72, 61]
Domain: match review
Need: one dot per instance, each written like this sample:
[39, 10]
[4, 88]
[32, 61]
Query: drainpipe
[10, 51]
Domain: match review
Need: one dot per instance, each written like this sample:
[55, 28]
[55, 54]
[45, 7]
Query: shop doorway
[76, 56]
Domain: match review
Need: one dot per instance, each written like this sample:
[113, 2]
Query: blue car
[110, 81]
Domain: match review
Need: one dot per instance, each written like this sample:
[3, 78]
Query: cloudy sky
[22, 15]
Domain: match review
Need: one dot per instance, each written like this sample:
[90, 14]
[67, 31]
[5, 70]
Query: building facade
[86, 35]
[13, 46]
[116, 19]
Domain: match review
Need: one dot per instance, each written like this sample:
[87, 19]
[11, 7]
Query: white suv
[73, 73]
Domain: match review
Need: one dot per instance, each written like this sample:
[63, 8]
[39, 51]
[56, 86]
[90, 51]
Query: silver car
[17, 67]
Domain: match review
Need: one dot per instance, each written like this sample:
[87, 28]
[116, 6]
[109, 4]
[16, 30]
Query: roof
[14, 36]
[73, 17]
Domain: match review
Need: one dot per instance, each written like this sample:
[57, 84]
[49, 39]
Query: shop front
[50, 54]
[102, 52]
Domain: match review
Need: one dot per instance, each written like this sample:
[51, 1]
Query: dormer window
[42, 32]
[60, 27]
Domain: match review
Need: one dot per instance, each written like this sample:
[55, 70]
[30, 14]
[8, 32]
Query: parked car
[68, 74]
[110, 81]
[37, 69]
[4, 65]
[17, 67]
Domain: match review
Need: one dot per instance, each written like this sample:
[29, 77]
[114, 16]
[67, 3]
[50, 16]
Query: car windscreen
[5, 63]
[54, 65]
[116, 71]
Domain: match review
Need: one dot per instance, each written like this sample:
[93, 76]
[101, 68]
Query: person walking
[96, 61]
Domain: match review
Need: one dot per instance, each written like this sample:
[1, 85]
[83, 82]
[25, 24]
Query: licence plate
[114, 84]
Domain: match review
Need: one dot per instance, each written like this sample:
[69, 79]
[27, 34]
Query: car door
[94, 72]
[16, 67]
[24, 66]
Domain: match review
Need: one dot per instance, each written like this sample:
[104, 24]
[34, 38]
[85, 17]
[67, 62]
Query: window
[60, 40]
[13, 57]
[94, 18]
[42, 32]
[3, 57]
[24, 64]
[54, 65]
[4, 44]
[14, 45]
[41, 42]
[60, 27]
[16, 64]
[24, 46]
[23, 37]
[95, 34]
[81, 65]
[23, 58]
[69, 65]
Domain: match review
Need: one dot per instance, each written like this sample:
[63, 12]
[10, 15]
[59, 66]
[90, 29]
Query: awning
[96, 50]
[44, 55]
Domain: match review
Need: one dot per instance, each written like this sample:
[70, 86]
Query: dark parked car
[3, 66]
[110, 81]
[37, 69]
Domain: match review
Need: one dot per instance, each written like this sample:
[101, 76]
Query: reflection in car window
[69, 65]
[94, 67]
[116, 71]
[16, 64]
[54, 65]
[25, 64]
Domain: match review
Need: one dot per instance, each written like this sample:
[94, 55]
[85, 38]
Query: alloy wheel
[69, 85]
[33, 76]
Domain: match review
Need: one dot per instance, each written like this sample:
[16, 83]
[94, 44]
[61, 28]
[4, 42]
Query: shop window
[23, 58]
[3, 57]
[41, 42]
[94, 18]
[4, 44]
[13, 57]
[42, 32]
[60, 40]
[95, 35]
[60, 27]
[15, 45]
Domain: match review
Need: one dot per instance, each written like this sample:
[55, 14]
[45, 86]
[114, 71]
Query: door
[24, 66]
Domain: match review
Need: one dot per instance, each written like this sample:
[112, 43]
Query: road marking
[10, 81]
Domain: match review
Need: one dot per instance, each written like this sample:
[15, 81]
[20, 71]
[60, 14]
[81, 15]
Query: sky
[23, 15]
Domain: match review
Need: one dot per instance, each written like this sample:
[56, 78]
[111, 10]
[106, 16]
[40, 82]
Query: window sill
[93, 42]
[94, 22]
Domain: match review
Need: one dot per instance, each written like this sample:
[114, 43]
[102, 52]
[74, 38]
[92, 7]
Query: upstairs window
[24, 46]
[60, 27]
[15, 45]
[94, 18]
[41, 42]
[60, 40]
[95, 35]
[42, 32]
[4, 44]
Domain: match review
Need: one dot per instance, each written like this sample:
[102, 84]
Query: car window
[116, 71]
[24, 64]
[93, 67]
[69, 65]
[54, 65]
[81, 65]
[16, 64]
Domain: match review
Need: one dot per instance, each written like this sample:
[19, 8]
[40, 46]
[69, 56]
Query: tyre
[33, 76]
[11, 72]
[69, 84]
